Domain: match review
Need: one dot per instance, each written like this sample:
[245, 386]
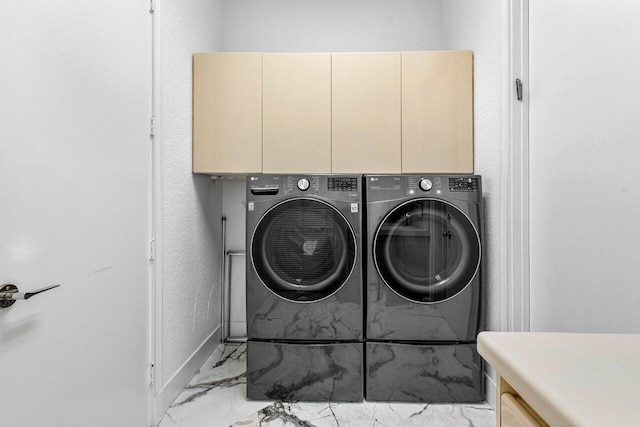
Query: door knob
[9, 294]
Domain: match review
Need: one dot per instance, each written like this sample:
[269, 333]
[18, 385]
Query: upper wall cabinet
[366, 113]
[437, 112]
[296, 115]
[227, 113]
[392, 112]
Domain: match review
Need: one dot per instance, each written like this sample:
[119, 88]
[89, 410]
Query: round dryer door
[426, 250]
[304, 250]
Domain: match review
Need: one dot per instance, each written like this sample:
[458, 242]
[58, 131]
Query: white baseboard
[181, 378]
[490, 390]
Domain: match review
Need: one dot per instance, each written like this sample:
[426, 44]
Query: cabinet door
[296, 112]
[227, 112]
[437, 112]
[366, 113]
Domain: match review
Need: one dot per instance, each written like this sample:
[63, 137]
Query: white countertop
[570, 379]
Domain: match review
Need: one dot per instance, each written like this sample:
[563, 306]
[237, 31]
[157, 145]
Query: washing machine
[304, 287]
[424, 239]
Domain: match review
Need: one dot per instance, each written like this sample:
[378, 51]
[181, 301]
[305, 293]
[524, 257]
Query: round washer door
[303, 250]
[426, 250]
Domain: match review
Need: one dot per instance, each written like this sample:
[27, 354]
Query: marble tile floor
[215, 397]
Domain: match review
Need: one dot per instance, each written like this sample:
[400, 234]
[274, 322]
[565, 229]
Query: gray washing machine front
[304, 278]
[304, 288]
[424, 257]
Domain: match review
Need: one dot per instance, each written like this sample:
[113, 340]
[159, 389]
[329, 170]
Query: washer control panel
[310, 183]
[469, 184]
[342, 183]
[333, 187]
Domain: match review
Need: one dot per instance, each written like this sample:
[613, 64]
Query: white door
[74, 210]
[584, 165]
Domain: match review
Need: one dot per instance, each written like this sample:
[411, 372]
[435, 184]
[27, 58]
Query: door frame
[156, 253]
[514, 197]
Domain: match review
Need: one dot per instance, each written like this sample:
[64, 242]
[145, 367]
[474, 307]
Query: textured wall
[191, 204]
[469, 24]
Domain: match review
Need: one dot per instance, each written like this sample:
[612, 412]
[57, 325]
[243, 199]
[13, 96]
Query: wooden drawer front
[514, 414]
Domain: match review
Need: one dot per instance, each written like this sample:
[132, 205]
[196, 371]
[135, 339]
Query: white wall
[330, 25]
[189, 206]
[584, 163]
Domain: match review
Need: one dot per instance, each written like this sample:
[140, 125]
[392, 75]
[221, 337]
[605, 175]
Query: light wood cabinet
[512, 410]
[513, 413]
[437, 112]
[392, 112]
[227, 112]
[296, 113]
[366, 112]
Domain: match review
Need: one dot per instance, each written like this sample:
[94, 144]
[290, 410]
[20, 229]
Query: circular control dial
[425, 184]
[303, 184]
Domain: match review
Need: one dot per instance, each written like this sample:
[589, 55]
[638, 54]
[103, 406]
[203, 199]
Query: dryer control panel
[468, 184]
[394, 187]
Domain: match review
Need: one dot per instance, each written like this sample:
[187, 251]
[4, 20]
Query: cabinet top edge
[331, 53]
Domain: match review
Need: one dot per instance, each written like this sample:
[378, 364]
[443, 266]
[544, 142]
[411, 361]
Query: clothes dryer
[304, 287]
[423, 288]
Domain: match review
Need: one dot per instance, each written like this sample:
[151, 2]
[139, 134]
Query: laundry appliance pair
[364, 287]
